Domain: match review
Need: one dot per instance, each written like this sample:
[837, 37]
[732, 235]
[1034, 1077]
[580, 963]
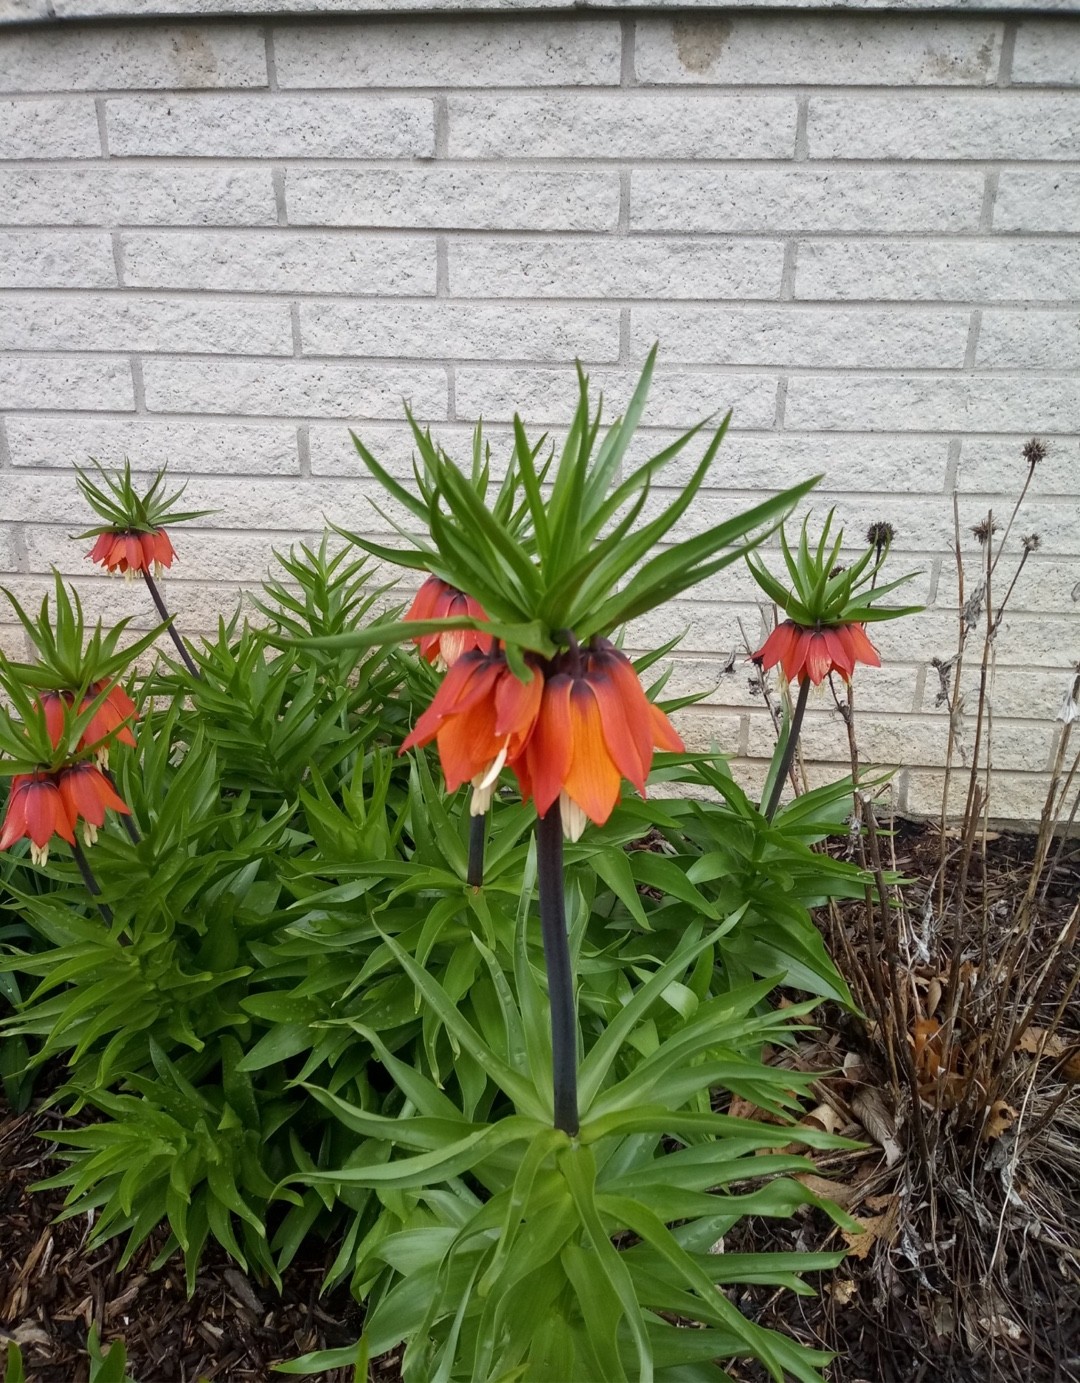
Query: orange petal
[548, 751]
[817, 660]
[593, 780]
[843, 659]
[862, 649]
[517, 705]
[625, 712]
[164, 552]
[665, 736]
[467, 681]
[468, 744]
[14, 827]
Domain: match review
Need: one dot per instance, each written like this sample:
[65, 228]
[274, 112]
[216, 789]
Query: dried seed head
[836, 570]
[880, 534]
[984, 529]
[1032, 542]
[1034, 451]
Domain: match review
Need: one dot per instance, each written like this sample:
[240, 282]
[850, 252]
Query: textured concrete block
[131, 322]
[536, 52]
[49, 129]
[1029, 340]
[64, 382]
[991, 125]
[205, 445]
[293, 388]
[281, 262]
[138, 196]
[108, 59]
[995, 465]
[453, 199]
[623, 124]
[56, 259]
[973, 272]
[934, 403]
[104, 598]
[1030, 694]
[890, 465]
[1047, 52]
[1040, 200]
[860, 338]
[799, 198]
[635, 268]
[460, 330]
[812, 50]
[1013, 796]
[331, 449]
[272, 125]
[677, 398]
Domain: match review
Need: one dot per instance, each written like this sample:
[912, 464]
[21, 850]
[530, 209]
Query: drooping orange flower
[128, 552]
[437, 600]
[481, 717]
[813, 653]
[596, 726]
[108, 724]
[87, 794]
[36, 808]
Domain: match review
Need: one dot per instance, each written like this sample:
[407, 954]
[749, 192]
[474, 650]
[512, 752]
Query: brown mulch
[52, 1289]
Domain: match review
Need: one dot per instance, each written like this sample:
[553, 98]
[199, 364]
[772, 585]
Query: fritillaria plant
[132, 539]
[552, 699]
[827, 606]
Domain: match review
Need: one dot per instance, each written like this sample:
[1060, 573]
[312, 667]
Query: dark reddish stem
[92, 886]
[477, 841]
[789, 749]
[155, 595]
[549, 858]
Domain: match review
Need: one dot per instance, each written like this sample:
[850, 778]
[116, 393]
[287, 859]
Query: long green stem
[92, 886]
[477, 841]
[162, 609]
[789, 749]
[549, 853]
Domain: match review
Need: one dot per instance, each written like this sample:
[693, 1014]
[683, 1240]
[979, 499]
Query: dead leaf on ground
[1000, 1117]
[1034, 1040]
[875, 1118]
[872, 1228]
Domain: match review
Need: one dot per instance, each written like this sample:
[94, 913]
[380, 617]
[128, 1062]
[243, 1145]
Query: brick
[453, 199]
[463, 331]
[1024, 693]
[621, 268]
[292, 388]
[831, 50]
[991, 125]
[49, 129]
[63, 383]
[705, 731]
[56, 259]
[624, 124]
[272, 125]
[1038, 200]
[929, 403]
[282, 262]
[137, 196]
[937, 271]
[110, 59]
[801, 198]
[1047, 52]
[1013, 796]
[995, 465]
[1023, 640]
[892, 465]
[238, 554]
[542, 52]
[132, 322]
[793, 335]
[331, 449]
[549, 396]
[8, 559]
[22, 11]
[205, 445]
[1029, 340]
[109, 599]
[13, 642]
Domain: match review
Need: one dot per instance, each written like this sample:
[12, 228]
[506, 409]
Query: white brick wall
[222, 243]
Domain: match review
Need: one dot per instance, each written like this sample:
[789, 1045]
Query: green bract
[122, 508]
[571, 556]
[823, 592]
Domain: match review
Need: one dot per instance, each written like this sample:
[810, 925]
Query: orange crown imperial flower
[596, 726]
[481, 717]
[36, 809]
[87, 794]
[570, 733]
[127, 552]
[436, 599]
[109, 723]
[814, 653]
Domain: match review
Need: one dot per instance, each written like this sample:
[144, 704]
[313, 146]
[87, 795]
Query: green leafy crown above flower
[123, 510]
